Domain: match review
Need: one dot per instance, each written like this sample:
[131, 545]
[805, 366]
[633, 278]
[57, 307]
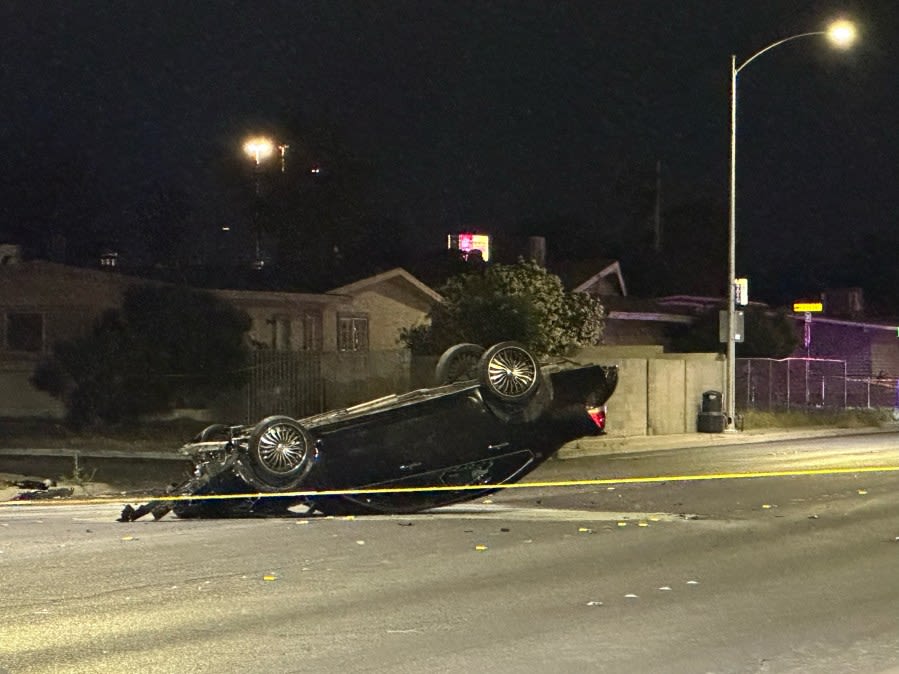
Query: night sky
[483, 113]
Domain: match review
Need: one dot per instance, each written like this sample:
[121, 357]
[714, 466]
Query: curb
[122, 454]
[611, 444]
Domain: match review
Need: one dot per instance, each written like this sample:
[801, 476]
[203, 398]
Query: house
[353, 328]
[630, 321]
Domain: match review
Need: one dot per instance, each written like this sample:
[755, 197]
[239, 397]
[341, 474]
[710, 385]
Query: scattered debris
[40, 485]
[44, 493]
[158, 509]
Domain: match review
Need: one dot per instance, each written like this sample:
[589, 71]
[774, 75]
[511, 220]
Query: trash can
[711, 417]
[711, 401]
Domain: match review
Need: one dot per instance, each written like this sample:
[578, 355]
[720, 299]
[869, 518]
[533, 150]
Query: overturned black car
[494, 416]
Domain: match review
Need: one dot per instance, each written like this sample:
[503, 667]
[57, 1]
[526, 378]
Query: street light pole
[731, 385]
[257, 149]
[841, 34]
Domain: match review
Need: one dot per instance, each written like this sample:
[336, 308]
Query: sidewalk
[588, 446]
[619, 444]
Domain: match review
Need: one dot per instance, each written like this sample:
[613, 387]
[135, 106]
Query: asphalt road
[789, 573]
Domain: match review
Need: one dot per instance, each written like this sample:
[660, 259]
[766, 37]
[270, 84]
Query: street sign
[807, 306]
[722, 326]
[741, 291]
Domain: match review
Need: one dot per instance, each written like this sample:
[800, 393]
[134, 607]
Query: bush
[166, 347]
[521, 302]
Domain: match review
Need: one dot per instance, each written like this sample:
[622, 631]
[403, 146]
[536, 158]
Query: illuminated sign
[808, 307]
[468, 242]
[741, 291]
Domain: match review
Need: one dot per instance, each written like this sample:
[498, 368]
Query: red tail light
[598, 414]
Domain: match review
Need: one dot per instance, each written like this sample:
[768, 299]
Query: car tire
[458, 363]
[279, 453]
[509, 373]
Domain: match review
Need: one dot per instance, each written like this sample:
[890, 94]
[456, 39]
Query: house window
[352, 333]
[280, 332]
[312, 332]
[25, 332]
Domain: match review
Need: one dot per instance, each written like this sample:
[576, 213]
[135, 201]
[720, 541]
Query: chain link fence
[809, 383]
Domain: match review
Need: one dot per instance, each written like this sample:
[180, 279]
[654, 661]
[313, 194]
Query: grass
[848, 418]
[52, 434]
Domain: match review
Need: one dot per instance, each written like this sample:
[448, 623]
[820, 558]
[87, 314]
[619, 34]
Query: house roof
[611, 270]
[392, 276]
[582, 275]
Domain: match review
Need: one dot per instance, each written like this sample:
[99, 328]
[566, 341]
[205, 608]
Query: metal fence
[284, 382]
[304, 383]
[803, 383]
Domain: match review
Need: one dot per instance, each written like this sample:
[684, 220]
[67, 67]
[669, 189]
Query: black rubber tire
[509, 373]
[458, 363]
[279, 452]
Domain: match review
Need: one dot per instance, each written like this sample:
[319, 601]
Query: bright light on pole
[842, 34]
[259, 148]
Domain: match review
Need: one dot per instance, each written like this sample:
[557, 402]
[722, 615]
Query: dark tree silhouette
[167, 346]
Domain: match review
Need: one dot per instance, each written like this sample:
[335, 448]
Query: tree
[768, 334]
[521, 302]
[166, 347]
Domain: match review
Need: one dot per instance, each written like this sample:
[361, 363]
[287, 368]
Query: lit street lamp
[841, 34]
[259, 149]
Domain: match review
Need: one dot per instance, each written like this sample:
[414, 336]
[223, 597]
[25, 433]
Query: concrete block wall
[666, 394]
[658, 393]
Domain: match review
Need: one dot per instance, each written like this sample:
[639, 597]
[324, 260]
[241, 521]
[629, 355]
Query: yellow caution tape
[468, 487]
